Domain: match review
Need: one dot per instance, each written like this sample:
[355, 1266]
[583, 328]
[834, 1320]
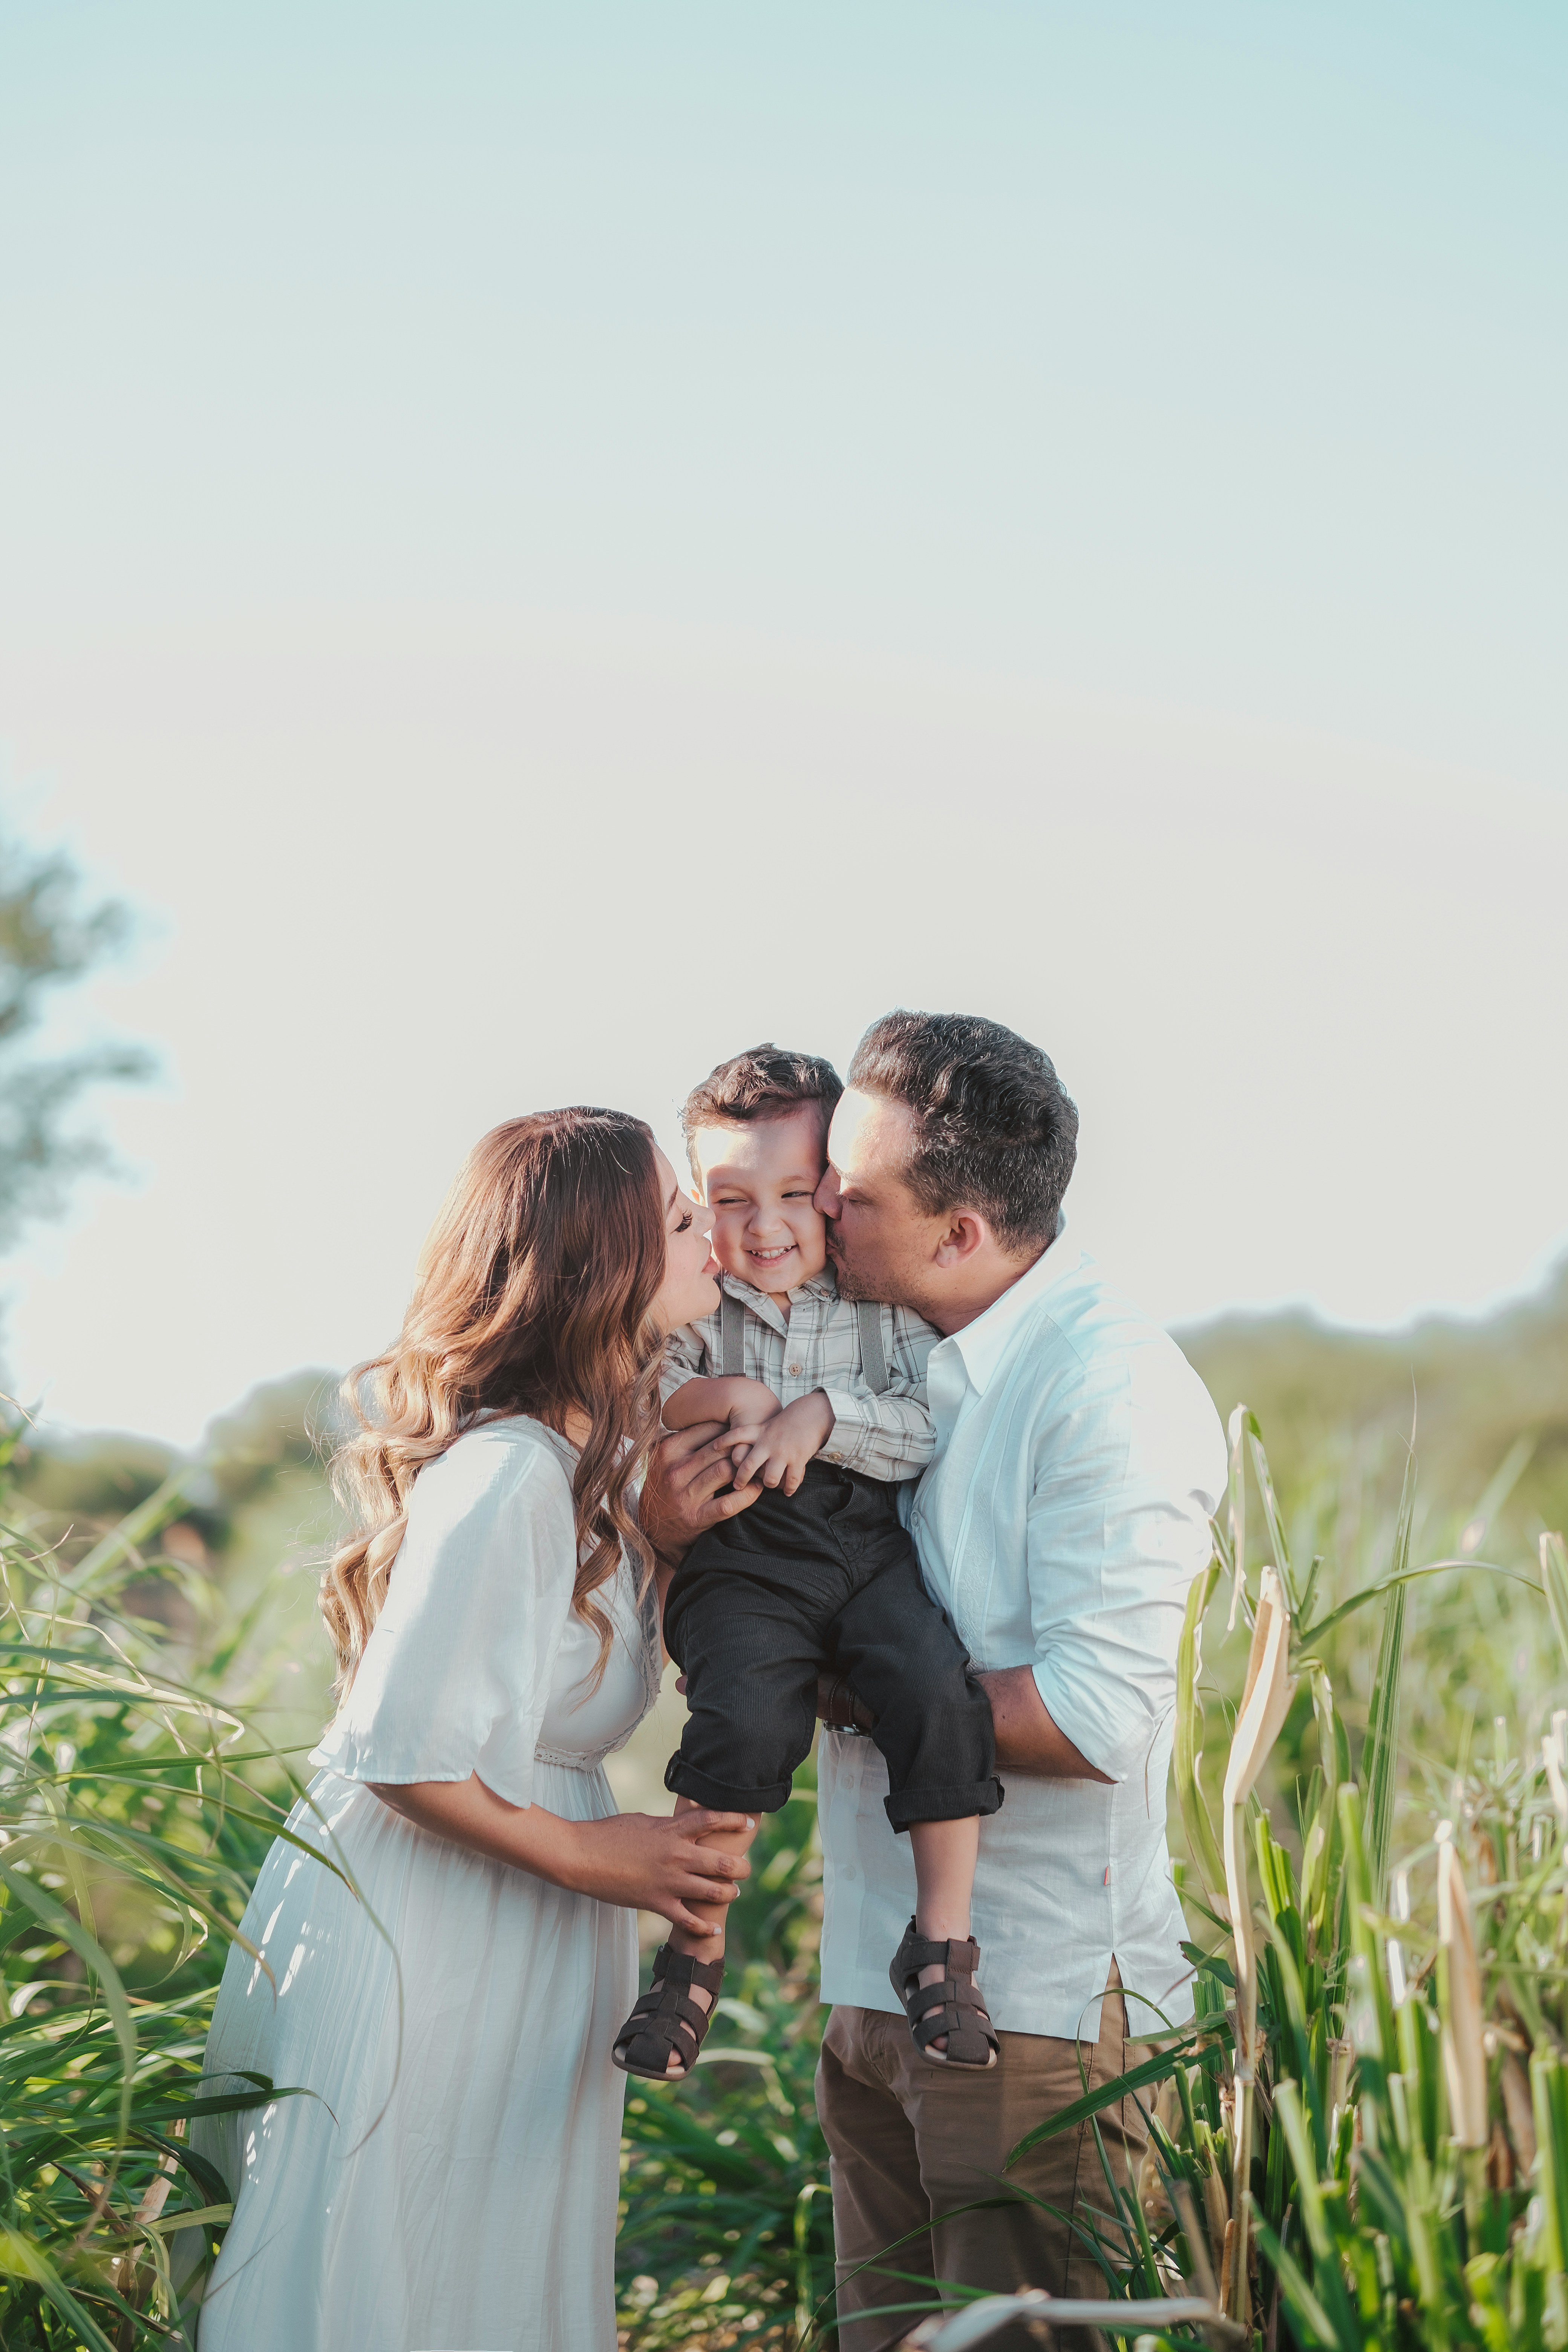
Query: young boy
[825, 1402]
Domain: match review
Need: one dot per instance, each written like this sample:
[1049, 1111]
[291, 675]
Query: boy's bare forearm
[719, 1400]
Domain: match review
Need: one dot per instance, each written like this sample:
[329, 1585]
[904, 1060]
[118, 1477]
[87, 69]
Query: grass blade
[1554, 1577]
[1187, 1760]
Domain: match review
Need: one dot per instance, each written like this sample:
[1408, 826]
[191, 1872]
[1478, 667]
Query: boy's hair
[765, 1083]
[995, 1129]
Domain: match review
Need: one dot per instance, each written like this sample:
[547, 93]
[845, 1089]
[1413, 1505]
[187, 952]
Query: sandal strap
[952, 1993]
[968, 2034]
[939, 2009]
[669, 2003]
[683, 1968]
[950, 2009]
[664, 2021]
[657, 2038]
[959, 1957]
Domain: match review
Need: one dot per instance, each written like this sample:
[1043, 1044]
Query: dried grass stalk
[1464, 2049]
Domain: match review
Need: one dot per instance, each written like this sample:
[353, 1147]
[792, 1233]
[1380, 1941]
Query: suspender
[867, 1316]
[873, 1362]
[732, 1336]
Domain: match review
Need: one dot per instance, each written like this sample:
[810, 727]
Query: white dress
[451, 2184]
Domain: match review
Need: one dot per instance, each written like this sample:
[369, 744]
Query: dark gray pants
[823, 1578]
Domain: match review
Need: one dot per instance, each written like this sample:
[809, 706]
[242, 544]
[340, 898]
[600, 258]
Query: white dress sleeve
[455, 1675]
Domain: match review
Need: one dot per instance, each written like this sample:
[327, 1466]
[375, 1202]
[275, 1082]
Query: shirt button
[849, 1870]
[794, 1372]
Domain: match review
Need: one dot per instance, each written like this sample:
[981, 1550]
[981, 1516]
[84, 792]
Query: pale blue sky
[495, 502]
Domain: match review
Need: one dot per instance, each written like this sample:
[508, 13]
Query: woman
[448, 2176]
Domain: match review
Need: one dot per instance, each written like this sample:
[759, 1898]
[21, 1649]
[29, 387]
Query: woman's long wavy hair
[534, 1295]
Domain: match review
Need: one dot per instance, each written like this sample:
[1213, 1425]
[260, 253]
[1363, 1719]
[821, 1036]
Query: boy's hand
[733, 1401]
[776, 1454]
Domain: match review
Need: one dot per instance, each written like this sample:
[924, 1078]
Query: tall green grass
[1395, 2173]
[134, 1811]
[1382, 2159]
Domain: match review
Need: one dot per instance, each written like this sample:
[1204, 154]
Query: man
[1061, 1525]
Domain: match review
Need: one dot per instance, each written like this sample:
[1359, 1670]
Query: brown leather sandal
[664, 2023]
[952, 2008]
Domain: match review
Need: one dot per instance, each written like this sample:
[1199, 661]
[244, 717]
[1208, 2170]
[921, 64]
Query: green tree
[50, 938]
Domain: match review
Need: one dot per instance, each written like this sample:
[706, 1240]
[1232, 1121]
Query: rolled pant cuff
[686, 1781]
[907, 1806]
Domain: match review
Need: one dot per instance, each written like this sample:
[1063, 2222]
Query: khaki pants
[911, 2142]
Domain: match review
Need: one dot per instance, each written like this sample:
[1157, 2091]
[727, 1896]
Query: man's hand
[682, 1492]
[776, 1454]
[837, 1705]
[1028, 1739]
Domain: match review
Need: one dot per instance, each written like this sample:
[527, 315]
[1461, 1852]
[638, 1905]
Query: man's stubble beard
[882, 1287]
[847, 1285]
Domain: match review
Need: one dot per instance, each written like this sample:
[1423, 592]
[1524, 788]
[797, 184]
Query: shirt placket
[969, 1442]
[770, 1350]
[802, 1347]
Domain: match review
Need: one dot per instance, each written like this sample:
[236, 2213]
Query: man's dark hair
[766, 1083]
[995, 1130]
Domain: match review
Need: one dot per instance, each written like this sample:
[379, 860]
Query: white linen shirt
[1061, 1525]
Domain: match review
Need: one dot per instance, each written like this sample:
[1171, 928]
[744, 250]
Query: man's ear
[963, 1235]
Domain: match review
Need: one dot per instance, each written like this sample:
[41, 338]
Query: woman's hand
[652, 1862]
[646, 1861]
[687, 1488]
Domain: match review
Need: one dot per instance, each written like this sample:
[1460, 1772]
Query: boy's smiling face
[758, 1180]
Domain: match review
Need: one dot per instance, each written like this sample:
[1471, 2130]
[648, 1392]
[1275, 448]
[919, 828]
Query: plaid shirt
[888, 1436]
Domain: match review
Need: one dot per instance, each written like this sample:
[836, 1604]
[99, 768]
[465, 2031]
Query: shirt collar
[821, 1285]
[982, 1343]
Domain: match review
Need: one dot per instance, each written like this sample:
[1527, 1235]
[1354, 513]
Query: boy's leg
[746, 1620]
[751, 1655]
[933, 1723]
[710, 1947]
[751, 1650]
[945, 1856]
[930, 1720]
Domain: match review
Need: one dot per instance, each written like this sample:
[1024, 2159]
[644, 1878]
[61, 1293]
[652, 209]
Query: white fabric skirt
[451, 2184]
